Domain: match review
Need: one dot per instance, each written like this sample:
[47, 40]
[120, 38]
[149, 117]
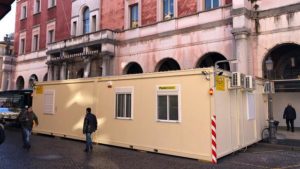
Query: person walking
[289, 115]
[26, 119]
[89, 126]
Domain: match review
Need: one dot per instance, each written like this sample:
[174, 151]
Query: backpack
[23, 117]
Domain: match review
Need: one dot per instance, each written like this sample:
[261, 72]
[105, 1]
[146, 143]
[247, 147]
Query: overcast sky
[7, 24]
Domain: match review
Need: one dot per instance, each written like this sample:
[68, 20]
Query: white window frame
[35, 31]
[211, 1]
[24, 6]
[168, 90]
[124, 90]
[127, 11]
[251, 106]
[22, 36]
[51, 37]
[50, 5]
[35, 43]
[49, 108]
[74, 27]
[37, 9]
[50, 27]
[160, 10]
[22, 46]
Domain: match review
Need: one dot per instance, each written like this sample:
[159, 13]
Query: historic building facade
[57, 40]
[38, 23]
[7, 62]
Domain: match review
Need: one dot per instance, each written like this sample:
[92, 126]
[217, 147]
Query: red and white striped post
[213, 140]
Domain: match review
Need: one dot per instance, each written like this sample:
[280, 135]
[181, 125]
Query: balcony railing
[103, 35]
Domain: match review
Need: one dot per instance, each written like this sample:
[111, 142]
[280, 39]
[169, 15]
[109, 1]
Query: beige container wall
[234, 129]
[189, 138]
[71, 99]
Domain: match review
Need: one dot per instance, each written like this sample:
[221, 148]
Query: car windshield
[11, 102]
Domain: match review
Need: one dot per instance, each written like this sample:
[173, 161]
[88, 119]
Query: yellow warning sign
[220, 83]
[39, 89]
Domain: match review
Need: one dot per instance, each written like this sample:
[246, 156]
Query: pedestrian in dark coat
[89, 126]
[26, 119]
[289, 115]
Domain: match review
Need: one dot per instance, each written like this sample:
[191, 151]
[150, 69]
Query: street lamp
[272, 128]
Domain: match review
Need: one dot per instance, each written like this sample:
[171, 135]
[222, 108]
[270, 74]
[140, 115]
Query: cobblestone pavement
[57, 153]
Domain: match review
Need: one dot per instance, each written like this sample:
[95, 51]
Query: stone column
[241, 50]
[63, 71]
[241, 29]
[50, 72]
[56, 72]
[87, 67]
[5, 78]
[106, 65]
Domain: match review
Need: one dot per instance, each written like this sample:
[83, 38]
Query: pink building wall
[112, 15]
[225, 30]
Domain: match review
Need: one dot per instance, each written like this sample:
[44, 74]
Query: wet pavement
[57, 153]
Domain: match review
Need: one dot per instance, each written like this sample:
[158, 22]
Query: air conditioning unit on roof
[237, 80]
[269, 87]
[249, 83]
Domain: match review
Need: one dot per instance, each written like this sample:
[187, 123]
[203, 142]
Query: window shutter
[49, 103]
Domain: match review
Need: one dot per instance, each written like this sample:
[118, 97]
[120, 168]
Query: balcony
[100, 37]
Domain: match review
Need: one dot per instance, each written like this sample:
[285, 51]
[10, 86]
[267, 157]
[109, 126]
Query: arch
[167, 64]
[45, 77]
[209, 60]
[286, 61]
[20, 83]
[133, 68]
[80, 73]
[33, 78]
[86, 20]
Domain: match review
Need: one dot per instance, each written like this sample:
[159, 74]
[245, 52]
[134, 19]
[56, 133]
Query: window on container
[74, 28]
[123, 105]
[168, 9]
[167, 107]
[22, 46]
[24, 12]
[210, 4]
[50, 36]
[134, 16]
[35, 44]
[37, 6]
[94, 23]
[86, 21]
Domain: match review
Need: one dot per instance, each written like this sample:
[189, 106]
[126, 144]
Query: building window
[210, 4]
[74, 25]
[168, 104]
[134, 16]
[24, 12]
[124, 103]
[168, 9]
[22, 46]
[51, 3]
[35, 43]
[94, 23]
[51, 36]
[86, 21]
[37, 6]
